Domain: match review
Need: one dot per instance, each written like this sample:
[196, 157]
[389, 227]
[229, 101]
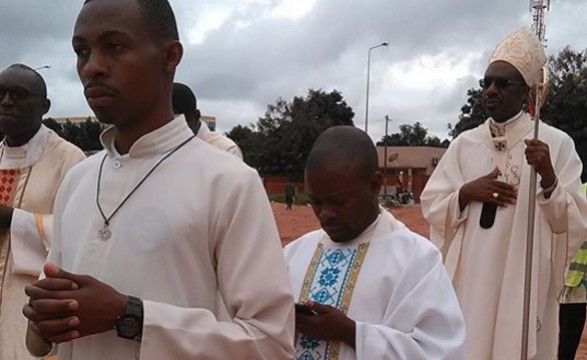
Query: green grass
[300, 199]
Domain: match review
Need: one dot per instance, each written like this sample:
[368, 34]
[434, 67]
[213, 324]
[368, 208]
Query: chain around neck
[108, 218]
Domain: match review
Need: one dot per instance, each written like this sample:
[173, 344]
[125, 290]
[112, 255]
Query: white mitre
[523, 50]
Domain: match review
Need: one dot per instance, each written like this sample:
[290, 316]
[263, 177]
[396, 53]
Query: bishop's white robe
[487, 265]
[37, 168]
[402, 300]
[197, 242]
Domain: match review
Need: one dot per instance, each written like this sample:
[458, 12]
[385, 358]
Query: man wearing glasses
[477, 205]
[33, 161]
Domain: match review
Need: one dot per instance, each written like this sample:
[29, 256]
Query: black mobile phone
[304, 309]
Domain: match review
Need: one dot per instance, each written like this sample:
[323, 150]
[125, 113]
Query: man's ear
[376, 182]
[45, 106]
[173, 54]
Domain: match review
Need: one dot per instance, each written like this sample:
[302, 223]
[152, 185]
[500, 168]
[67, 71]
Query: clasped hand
[66, 306]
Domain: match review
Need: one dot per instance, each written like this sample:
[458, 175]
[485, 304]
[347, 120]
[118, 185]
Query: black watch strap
[129, 324]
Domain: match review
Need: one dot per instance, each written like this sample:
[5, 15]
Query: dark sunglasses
[500, 83]
[17, 93]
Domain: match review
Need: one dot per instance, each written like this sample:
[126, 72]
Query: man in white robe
[378, 291]
[185, 103]
[476, 202]
[33, 161]
[175, 239]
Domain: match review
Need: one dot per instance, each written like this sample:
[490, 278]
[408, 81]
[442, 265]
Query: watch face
[129, 327]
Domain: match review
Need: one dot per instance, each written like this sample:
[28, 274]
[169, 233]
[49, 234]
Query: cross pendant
[104, 233]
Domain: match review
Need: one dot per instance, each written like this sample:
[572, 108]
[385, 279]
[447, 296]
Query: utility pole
[385, 43]
[385, 159]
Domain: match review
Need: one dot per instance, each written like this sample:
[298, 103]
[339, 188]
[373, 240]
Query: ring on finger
[495, 195]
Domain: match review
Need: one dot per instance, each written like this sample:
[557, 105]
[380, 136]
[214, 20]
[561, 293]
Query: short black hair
[183, 99]
[41, 86]
[344, 144]
[159, 17]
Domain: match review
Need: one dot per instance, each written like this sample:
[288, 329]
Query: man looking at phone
[370, 288]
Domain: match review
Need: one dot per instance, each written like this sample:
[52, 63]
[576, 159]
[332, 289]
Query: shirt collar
[19, 157]
[203, 131]
[158, 141]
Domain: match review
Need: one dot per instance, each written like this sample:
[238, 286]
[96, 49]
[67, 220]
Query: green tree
[412, 135]
[53, 125]
[280, 141]
[85, 135]
[472, 113]
[249, 141]
[566, 104]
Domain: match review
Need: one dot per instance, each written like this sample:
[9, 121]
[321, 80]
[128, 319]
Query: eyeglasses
[17, 93]
[500, 83]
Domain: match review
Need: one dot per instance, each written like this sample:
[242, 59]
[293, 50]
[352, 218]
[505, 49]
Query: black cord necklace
[105, 232]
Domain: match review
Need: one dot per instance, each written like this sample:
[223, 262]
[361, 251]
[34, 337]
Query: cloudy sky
[241, 55]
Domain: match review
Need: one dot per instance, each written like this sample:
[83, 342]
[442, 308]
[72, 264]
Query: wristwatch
[129, 324]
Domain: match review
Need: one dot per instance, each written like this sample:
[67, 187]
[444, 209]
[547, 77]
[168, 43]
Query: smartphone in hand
[304, 309]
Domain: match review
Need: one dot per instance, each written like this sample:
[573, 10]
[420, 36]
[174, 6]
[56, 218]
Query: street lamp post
[385, 43]
[385, 159]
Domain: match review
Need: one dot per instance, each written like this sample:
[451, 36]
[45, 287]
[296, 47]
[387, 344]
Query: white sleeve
[52, 244]
[567, 204]
[32, 234]
[30, 238]
[426, 324]
[253, 285]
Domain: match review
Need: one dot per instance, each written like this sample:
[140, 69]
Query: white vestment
[391, 282]
[39, 166]
[488, 265]
[197, 242]
[218, 140]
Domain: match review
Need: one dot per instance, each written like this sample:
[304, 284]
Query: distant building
[210, 121]
[408, 167]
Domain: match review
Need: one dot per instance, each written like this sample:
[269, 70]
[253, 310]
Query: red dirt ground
[298, 221]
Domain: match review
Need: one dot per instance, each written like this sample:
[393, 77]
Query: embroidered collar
[500, 129]
[518, 130]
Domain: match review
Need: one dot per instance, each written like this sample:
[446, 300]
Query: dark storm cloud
[251, 58]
